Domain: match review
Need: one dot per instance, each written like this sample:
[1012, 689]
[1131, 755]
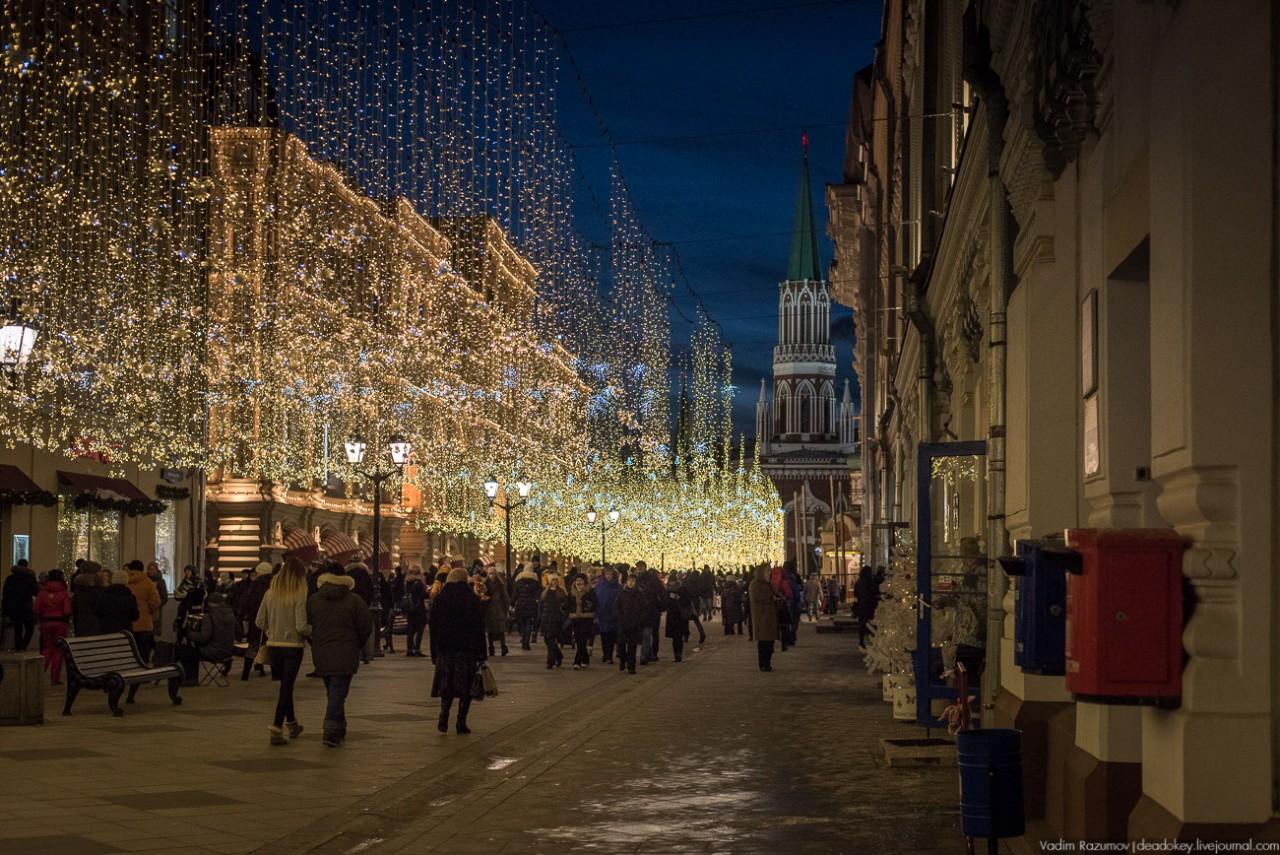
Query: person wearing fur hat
[582, 612]
[117, 607]
[457, 646]
[340, 627]
[359, 573]
[524, 600]
[551, 620]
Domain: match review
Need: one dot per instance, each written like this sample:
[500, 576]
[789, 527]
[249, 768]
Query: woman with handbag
[457, 647]
[582, 613]
[282, 619]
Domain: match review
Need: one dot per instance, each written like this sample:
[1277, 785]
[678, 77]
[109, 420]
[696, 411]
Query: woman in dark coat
[764, 616]
[495, 617]
[731, 607]
[582, 611]
[16, 604]
[525, 592]
[678, 606]
[457, 646]
[551, 619]
[86, 594]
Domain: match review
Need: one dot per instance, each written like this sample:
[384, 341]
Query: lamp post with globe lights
[523, 489]
[399, 448]
[592, 516]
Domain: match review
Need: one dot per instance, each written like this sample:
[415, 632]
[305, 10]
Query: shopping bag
[477, 686]
[490, 684]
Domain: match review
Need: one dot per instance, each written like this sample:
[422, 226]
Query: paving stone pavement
[707, 755]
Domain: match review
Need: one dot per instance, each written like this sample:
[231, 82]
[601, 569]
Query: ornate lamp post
[399, 448]
[523, 489]
[604, 526]
[17, 340]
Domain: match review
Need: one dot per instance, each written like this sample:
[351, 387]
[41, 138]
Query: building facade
[1058, 237]
[807, 440]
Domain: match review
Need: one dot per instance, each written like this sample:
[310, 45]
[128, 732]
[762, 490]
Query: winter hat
[456, 574]
[263, 568]
[120, 577]
[333, 568]
[216, 599]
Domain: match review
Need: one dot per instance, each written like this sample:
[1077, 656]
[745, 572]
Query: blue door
[951, 571]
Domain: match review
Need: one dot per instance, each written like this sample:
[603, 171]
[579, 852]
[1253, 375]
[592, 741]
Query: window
[88, 532]
[167, 542]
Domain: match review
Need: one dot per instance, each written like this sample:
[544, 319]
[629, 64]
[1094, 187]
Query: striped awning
[337, 546]
[366, 551]
[299, 544]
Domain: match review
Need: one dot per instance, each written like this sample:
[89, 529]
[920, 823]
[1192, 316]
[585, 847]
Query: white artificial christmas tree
[889, 649]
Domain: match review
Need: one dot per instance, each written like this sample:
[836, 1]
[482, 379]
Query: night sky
[707, 100]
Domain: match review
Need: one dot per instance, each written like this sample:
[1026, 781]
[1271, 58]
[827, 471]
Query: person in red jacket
[53, 610]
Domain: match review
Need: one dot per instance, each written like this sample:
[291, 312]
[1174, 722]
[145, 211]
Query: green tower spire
[804, 239]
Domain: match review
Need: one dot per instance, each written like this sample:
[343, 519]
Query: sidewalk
[707, 755]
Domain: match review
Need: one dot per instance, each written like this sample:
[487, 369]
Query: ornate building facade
[807, 440]
[1058, 239]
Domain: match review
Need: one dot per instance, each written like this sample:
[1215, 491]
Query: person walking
[495, 616]
[606, 590]
[551, 621]
[53, 609]
[340, 627]
[415, 611]
[731, 607]
[813, 596]
[764, 616]
[17, 602]
[250, 603]
[358, 571]
[117, 607]
[457, 646]
[86, 599]
[148, 597]
[866, 597]
[524, 595]
[282, 619]
[655, 604]
[632, 610]
[677, 608]
[582, 613]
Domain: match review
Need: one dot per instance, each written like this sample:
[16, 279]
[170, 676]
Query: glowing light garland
[351, 217]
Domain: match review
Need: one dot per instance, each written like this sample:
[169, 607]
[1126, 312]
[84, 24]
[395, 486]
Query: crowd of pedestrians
[270, 615]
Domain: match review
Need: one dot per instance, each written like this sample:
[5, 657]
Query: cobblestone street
[707, 755]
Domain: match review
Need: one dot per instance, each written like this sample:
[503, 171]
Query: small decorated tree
[889, 650]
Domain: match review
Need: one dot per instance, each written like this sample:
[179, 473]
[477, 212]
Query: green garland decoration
[131, 507]
[28, 497]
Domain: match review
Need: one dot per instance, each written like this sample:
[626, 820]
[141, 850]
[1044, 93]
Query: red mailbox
[1124, 616]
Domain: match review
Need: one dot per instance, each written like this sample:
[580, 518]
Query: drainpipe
[984, 80]
[928, 346]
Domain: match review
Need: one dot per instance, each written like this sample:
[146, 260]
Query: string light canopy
[298, 220]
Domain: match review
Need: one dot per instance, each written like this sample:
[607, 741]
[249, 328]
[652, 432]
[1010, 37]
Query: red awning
[299, 544]
[337, 546]
[14, 480]
[366, 551]
[115, 487]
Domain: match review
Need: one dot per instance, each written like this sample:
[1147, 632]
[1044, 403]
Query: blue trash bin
[991, 783]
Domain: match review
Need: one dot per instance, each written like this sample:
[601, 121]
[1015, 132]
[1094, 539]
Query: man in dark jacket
[607, 589]
[340, 626]
[524, 600]
[17, 603]
[632, 610]
[358, 571]
[655, 605]
[117, 607]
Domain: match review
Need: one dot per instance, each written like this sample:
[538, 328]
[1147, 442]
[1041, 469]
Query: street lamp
[613, 520]
[17, 340]
[523, 489]
[399, 449]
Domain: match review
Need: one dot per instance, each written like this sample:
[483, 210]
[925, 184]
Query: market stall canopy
[366, 551]
[337, 546]
[300, 544]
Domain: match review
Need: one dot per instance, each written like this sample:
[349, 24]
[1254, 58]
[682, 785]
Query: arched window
[806, 408]
[782, 398]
